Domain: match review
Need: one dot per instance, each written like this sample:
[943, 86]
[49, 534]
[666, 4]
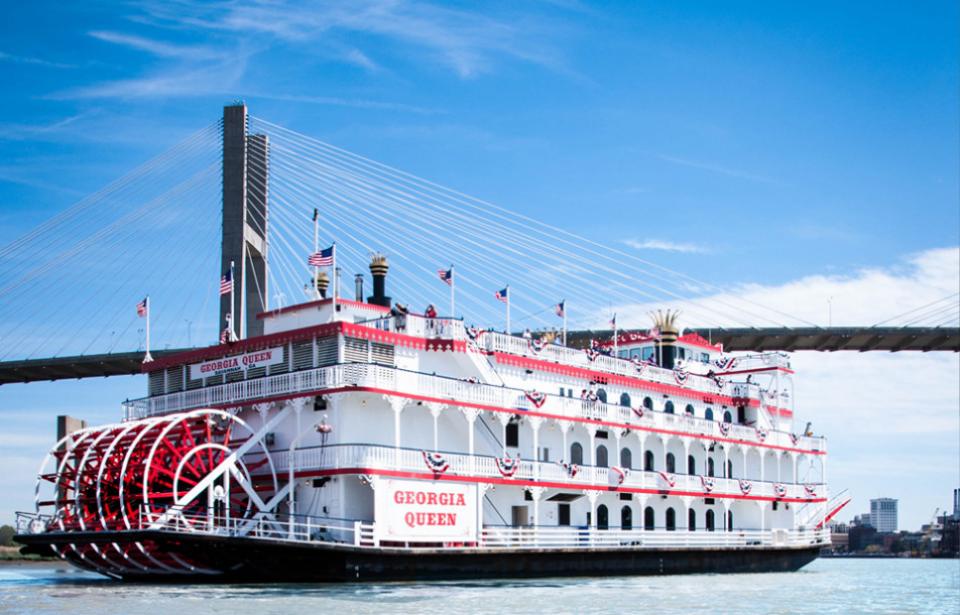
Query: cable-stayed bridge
[244, 190]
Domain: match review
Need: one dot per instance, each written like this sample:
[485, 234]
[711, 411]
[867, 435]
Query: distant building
[956, 504]
[883, 514]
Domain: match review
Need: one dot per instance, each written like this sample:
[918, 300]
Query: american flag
[561, 308]
[501, 295]
[226, 283]
[142, 308]
[613, 322]
[446, 276]
[323, 258]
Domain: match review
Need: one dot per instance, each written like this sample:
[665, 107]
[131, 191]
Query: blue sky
[810, 152]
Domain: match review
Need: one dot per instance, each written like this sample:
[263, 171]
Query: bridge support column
[244, 239]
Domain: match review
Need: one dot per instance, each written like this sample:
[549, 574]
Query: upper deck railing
[378, 457]
[315, 381]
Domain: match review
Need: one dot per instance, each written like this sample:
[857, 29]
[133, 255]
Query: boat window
[576, 453]
[513, 434]
[648, 461]
[646, 353]
[729, 519]
[602, 395]
[730, 469]
[603, 521]
[625, 399]
[704, 357]
[648, 518]
[648, 403]
[710, 521]
[708, 414]
[602, 456]
[727, 417]
[626, 518]
[710, 466]
[671, 463]
[626, 458]
[691, 465]
[692, 520]
[689, 410]
[668, 408]
[671, 519]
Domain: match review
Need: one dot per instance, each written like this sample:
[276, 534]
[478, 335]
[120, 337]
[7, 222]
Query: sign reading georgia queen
[424, 511]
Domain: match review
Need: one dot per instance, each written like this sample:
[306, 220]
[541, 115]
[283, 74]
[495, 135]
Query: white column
[396, 404]
[535, 423]
[763, 460]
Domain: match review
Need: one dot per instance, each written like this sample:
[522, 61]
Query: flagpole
[233, 284]
[316, 247]
[564, 303]
[453, 305]
[616, 345]
[336, 281]
[147, 358]
[508, 309]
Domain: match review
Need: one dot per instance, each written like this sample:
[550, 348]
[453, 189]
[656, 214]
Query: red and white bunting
[725, 427]
[571, 469]
[779, 490]
[669, 479]
[618, 475]
[536, 398]
[794, 438]
[591, 353]
[745, 486]
[708, 482]
[536, 345]
[810, 490]
[638, 412]
[680, 376]
[508, 466]
[436, 462]
[761, 433]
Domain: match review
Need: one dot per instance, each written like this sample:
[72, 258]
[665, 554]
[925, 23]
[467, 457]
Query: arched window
[730, 469]
[689, 410]
[602, 456]
[648, 403]
[727, 417]
[691, 520]
[602, 395]
[648, 518]
[626, 518]
[671, 463]
[668, 408]
[603, 518]
[648, 461]
[691, 465]
[625, 399]
[710, 521]
[671, 519]
[729, 520]
[626, 458]
[576, 453]
[710, 465]
[708, 414]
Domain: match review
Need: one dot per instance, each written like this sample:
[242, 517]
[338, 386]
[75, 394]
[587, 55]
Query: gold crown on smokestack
[323, 282]
[379, 264]
[666, 322]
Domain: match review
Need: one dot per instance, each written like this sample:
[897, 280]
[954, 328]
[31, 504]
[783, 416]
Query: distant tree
[6, 536]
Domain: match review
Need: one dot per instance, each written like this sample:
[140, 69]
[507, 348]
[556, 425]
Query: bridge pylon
[246, 181]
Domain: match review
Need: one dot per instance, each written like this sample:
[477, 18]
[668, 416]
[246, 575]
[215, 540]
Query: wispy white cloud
[16, 59]
[356, 103]
[719, 169]
[218, 78]
[664, 245]
[358, 58]
[157, 47]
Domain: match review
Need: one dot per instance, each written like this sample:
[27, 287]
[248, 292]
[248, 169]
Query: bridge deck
[892, 339]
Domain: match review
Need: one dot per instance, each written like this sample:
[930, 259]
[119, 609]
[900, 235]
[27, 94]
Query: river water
[825, 586]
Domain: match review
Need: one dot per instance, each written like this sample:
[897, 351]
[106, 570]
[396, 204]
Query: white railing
[362, 534]
[419, 326]
[416, 383]
[499, 342]
[378, 457]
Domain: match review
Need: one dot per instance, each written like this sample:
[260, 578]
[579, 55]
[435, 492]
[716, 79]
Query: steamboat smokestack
[358, 284]
[666, 323]
[323, 282]
[378, 269]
